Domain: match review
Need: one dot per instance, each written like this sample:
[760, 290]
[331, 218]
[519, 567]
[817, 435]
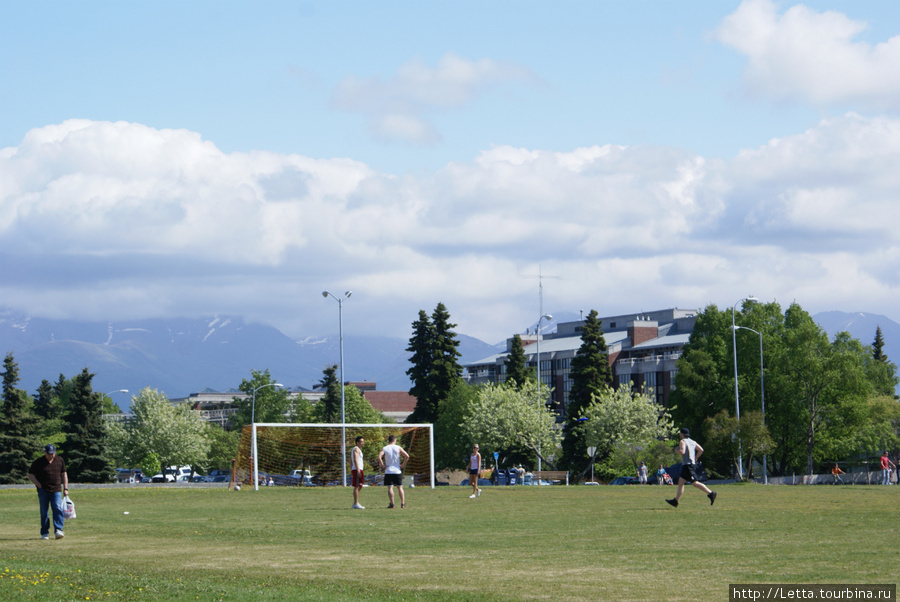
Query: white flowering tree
[624, 423]
[175, 434]
[504, 416]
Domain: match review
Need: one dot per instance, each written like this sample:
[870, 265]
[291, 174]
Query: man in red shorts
[357, 472]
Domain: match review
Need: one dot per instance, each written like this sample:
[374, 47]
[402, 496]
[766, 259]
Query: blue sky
[184, 159]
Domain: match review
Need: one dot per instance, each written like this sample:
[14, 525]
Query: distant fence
[849, 478]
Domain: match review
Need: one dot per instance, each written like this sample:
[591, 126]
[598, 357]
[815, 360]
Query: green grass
[512, 543]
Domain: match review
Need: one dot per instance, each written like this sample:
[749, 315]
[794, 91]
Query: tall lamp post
[253, 432]
[737, 398]
[548, 317]
[340, 301]
[116, 391]
[762, 394]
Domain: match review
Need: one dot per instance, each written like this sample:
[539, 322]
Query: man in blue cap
[48, 473]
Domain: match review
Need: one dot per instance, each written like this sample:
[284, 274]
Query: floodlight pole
[737, 398]
[538, 371]
[253, 433]
[340, 301]
[762, 394]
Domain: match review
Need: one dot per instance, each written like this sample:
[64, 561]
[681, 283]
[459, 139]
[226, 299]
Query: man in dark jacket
[48, 473]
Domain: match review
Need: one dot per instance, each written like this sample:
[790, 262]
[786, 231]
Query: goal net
[319, 454]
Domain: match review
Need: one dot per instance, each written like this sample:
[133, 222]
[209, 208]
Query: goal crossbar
[343, 426]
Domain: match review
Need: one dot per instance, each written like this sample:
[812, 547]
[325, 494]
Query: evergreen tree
[85, 450]
[46, 405]
[516, 371]
[435, 367]
[445, 370]
[591, 374]
[328, 408]
[18, 443]
[421, 346]
[878, 346]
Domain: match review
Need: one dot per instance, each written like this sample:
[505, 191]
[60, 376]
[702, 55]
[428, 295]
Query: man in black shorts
[690, 452]
[389, 459]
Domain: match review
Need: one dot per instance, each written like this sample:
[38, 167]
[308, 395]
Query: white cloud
[812, 56]
[111, 220]
[398, 107]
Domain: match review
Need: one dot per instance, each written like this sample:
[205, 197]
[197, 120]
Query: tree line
[825, 401]
[157, 435]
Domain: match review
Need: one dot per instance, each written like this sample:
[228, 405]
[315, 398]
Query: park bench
[554, 476]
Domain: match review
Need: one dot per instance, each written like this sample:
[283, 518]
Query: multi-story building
[643, 349]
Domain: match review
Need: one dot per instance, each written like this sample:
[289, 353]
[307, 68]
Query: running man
[690, 452]
[357, 472]
[475, 471]
[389, 459]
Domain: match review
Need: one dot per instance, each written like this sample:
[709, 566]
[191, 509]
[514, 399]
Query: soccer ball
[237, 487]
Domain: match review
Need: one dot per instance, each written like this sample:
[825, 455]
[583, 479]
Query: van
[173, 474]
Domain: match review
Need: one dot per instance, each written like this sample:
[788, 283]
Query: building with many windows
[643, 349]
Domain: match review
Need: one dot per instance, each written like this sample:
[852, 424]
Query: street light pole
[762, 395]
[340, 301]
[538, 366]
[737, 398]
[253, 432]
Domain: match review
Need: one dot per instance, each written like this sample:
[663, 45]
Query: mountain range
[181, 356]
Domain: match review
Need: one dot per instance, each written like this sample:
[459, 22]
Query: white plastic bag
[68, 508]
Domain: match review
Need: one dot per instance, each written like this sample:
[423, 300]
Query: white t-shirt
[392, 459]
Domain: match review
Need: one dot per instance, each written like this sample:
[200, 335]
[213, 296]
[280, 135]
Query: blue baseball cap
[49, 449]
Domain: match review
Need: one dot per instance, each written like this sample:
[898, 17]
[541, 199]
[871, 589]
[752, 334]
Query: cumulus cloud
[112, 220]
[399, 108]
[812, 56]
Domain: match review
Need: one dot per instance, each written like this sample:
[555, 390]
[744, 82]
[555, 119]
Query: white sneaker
[45, 537]
[357, 507]
[479, 493]
[472, 497]
[59, 534]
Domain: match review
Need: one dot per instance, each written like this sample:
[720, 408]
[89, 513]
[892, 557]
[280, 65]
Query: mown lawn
[512, 543]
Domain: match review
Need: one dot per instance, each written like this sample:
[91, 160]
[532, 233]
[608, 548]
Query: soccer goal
[319, 454]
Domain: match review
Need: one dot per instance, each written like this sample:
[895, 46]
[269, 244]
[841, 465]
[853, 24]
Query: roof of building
[391, 401]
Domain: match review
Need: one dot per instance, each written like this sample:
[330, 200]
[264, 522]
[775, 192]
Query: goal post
[316, 453]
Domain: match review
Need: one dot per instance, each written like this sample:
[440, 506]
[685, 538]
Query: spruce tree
[85, 447]
[421, 346]
[45, 403]
[878, 346]
[590, 374]
[18, 444]
[328, 408]
[435, 366]
[516, 371]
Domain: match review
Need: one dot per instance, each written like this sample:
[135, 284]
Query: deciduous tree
[504, 417]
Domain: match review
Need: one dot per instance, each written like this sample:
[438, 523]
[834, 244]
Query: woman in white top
[474, 471]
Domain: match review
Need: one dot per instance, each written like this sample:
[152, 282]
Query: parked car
[625, 481]
[199, 478]
[173, 473]
[220, 478]
[303, 476]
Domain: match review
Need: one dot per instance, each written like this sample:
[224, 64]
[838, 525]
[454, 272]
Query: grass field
[512, 543]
